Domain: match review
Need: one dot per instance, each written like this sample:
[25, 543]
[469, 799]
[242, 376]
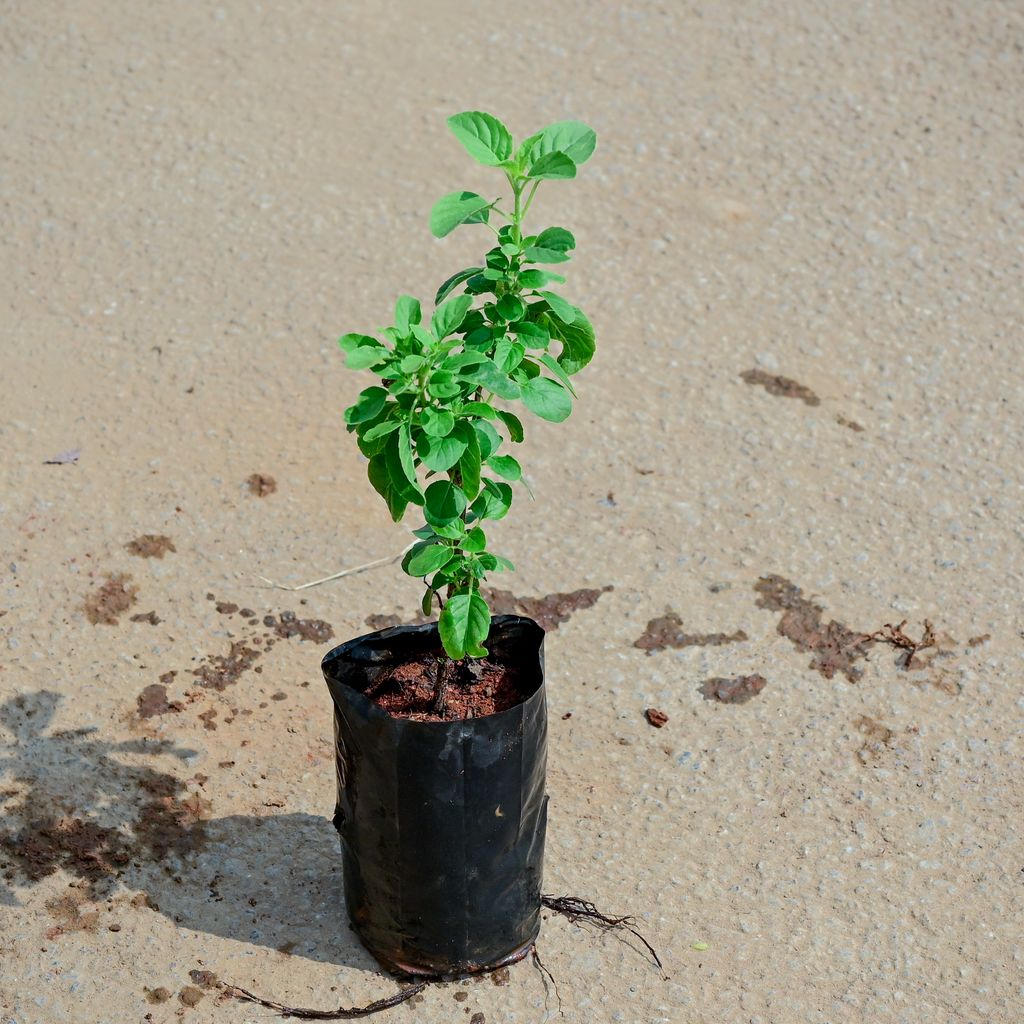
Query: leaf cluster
[437, 428]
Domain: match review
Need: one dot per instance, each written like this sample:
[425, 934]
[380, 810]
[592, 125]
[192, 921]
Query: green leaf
[380, 430]
[475, 541]
[488, 375]
[370, 403]
[536, 254]
[484, 137]
[547, 399]
[577, 341]
[552, 166]
[426, 558]
[505, 466]
[490, 439]
[453, 282]
[437, 422]
[559, 239]
[444, 501]
[405, 456]
[380, 478]
[513, 424]
[443, 385]
[539, 278]
[407, 313]
[441, 453]
[481, 409]
[510, 307]
[366, 356]
[423, 336]
[395, 464]
[427, 604]
[551, 363]
[532, 335]
[573, 138]
[410, 364]
[464, 625]
[565, 311]
[508, 354]
[469, 464]
[447, 317]
[350, 342]
[493, 501]
[457, 208]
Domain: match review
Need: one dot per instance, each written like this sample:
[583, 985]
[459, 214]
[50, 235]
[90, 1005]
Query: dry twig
[338, 575]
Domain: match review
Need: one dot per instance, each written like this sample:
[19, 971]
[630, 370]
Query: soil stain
[287, 625]
[44, 833]
[190, 996]
[112, 600]
[155, 996]
[153, 701]
[548, 612]
[72, 912]
[261, 485]
[877, 739]
[151, 617]
[834, 647]
[737, 690]
[667, 631]
[782, 387]
[219, 671]
[151, 545]
[851, 424]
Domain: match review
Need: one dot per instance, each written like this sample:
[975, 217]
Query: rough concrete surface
[198, 198]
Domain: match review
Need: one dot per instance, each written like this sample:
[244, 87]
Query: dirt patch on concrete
[737, 690]
[667, 631]
[152, 701]
[782, 387]
[834, 647]
[150, 545]
[111, 600]
[548, 612]
[261, 485]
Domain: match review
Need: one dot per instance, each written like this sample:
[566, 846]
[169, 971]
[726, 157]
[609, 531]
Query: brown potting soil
[476, 687]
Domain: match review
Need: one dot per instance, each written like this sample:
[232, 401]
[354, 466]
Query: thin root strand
[577, 909]
[341, 1013]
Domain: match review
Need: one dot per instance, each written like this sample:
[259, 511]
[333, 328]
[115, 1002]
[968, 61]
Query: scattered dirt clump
[204, 979]
[835, 647]
[190, 996]
[156, 995]
[733, 691]
[655, 717]
[151, 617]
[82, 848]
[153, 701]
[151, 545]
[261, 485]
[287, 625]
[977, 641]
[220, 671]
[548, 612]
[782, 387]
[667, 631]
[71, 914]
[226, 607]
[112, 599]
[377, 622]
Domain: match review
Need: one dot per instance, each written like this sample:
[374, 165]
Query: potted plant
[441, 728]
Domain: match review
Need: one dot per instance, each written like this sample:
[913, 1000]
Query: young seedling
[434, 428]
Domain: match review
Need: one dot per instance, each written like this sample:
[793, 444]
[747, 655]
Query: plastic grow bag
[441, 823]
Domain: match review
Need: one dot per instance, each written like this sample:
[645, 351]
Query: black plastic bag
[442, 823]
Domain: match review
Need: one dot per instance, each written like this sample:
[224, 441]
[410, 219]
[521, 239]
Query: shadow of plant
[72, 802]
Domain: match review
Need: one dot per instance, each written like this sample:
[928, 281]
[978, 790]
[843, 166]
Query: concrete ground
[198, 198]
